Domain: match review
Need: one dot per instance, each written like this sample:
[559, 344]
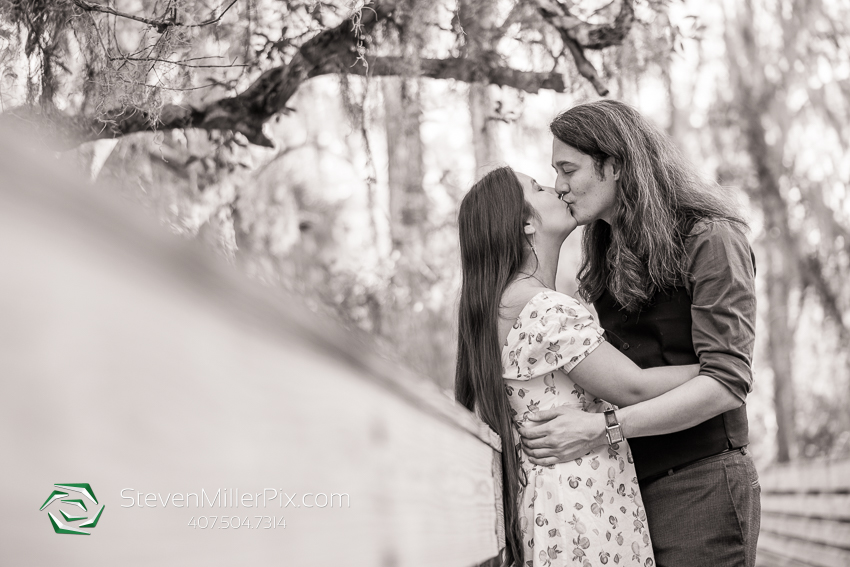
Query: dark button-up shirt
[721, 285]
[709, 320]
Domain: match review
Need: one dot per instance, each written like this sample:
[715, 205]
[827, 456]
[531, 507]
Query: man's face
[579, 185]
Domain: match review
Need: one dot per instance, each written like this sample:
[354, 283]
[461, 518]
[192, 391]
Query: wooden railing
[805, 515]
[132, 361]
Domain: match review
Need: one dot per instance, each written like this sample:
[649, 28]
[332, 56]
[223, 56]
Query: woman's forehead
[525, 180]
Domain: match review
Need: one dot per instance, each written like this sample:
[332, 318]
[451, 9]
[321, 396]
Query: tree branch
[468, 71]
[586, 35]
[160, 24]
[336, 50]
[184, 63]
[585, 67]
[92, 7]
[579, 35]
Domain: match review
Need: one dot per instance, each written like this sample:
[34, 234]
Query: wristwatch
[612, 428]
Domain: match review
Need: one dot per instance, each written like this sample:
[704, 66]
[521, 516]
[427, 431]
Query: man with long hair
[668, 267]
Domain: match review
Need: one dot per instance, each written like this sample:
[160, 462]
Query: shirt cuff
[730, 371]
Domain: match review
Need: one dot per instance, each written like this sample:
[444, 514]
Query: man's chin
[584, 221]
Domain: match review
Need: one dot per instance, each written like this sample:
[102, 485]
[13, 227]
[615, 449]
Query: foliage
[162, 64]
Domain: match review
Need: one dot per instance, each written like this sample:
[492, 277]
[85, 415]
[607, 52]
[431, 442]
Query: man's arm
[564, 434]
[722, 288]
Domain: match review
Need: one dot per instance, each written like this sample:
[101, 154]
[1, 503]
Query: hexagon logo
[62, 493]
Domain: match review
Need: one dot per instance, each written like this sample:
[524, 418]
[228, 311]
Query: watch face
[615, 435]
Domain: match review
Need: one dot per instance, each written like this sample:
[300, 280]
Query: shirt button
[625, 318]
[625, 346]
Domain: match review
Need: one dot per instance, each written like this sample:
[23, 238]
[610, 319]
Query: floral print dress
[585, 512]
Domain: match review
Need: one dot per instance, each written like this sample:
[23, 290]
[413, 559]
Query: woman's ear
[528, 229]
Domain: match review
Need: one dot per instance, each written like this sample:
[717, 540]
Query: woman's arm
[562, 434]
[612, 376]
[695, 402]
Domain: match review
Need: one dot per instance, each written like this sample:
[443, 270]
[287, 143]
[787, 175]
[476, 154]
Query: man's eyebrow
[562, 162]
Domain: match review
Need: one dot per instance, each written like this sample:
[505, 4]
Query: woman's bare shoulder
[517, 296]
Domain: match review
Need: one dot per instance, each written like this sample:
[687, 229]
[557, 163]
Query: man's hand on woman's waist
[561, 434]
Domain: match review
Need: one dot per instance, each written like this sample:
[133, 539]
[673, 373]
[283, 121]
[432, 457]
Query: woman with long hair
[523, 348]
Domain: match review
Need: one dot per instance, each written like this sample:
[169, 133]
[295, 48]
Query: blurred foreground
[134, 363]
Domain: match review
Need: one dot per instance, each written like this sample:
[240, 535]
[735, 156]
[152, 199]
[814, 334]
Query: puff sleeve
[553, 331]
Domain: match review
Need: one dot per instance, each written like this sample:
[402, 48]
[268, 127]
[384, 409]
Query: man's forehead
[562, 153]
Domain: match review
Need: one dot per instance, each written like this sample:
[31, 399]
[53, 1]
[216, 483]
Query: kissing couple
[624, 439]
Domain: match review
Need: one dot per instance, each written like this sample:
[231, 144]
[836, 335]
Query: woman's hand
[562, 434]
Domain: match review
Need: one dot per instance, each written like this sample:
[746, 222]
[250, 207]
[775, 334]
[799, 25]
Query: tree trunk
[781, 254]
[780, 344]
[485, 129]
[408, 203]
[478, 20]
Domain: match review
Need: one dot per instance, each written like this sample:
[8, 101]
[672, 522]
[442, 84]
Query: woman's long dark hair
[659, 200]
[492, 249]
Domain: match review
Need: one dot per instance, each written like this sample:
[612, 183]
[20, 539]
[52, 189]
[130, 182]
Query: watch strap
[612, 428]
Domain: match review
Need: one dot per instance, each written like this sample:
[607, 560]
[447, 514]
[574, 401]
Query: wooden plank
[826, 532]
[129, 361]
[827, 506]
[63, 201]
[813, 476]
[807, 553]
[766, 558]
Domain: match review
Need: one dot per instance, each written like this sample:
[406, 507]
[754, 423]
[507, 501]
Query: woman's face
[553, 215]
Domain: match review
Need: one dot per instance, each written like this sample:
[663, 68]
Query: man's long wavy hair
[493, 247]
[660, 198]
